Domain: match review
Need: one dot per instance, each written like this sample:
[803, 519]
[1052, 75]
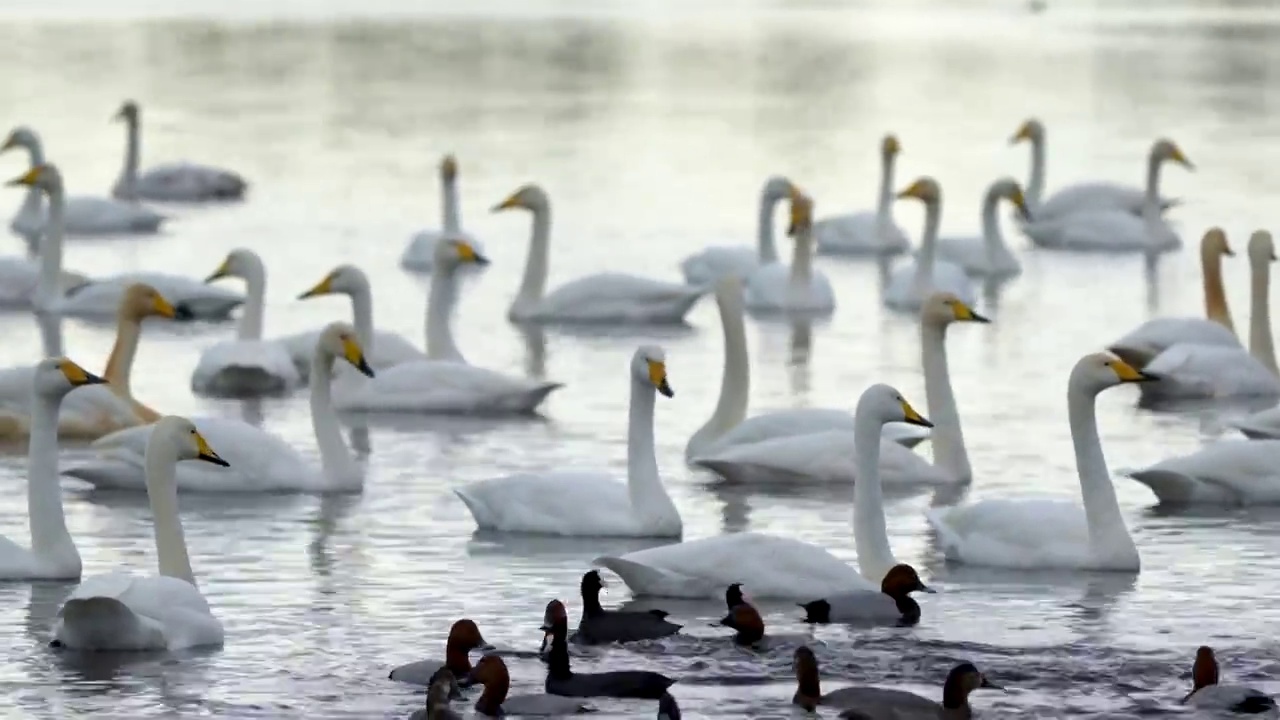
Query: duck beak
[988, 684]
[926, 589]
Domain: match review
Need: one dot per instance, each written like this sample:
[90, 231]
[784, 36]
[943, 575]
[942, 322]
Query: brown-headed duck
[733, 596]
[667, 707]
[464, 637]
[561, 680]
[605, 626]
[491, 672]
[1208, 694]
[442, 687]
[873, 703]
[892, 604]
[745, 620]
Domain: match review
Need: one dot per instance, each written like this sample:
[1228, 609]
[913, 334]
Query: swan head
[554, 614]
[924, 189]
[1214, 244]
[55, 377]
[141, 301]
[1031, 129]
[649, 367]
[943, 308]
[887, 405]
[962, 680]
[342, 280]
[902, 580]
[448, 168]
[338, 340]
[186, 441]
[778, 188]
[1011, 190]
[44, 177]
[801, 214]
[1098, 371]
[890, 147]
[22, 137]
[529, 197]
[451, 253]
[1261, 248]
[239, 263]
[1165, 150]
[128, 111]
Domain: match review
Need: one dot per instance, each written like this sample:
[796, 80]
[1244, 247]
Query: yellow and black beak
[220, 273]
[1129, 374]
[964, 313]
[352, 353]
[914, 418]
[207, 454]
[29, 178]
[511, 202]
[324, 287]
[78, 376]
[658, 376]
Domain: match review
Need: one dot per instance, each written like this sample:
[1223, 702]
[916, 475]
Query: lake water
[652, 127]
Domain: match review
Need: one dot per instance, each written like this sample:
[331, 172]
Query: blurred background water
[652, 125]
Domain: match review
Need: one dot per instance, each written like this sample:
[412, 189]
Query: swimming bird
[491, 672]
[175, 181]
[746, 623]
[1208, 694]
[892, 603]
[561, 680]
[873, 703]
[419, 254]
[443, 687]
[605, 626]
[464, 636]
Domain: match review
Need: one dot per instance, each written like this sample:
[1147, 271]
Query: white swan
[867, 232]
[120, 611]
[1081, 197]
[913, 281]
[987, 255]
[777, 567]
[247, 366]
[712, 263]
[420, 251]
[443, 386]
[177, 181]
[1117, 230]
[1189, 370]
[96, 410]
[825, 456]
[1050, 533]
[735, 380]
[601, 298]
[592, 504]
[1140, 345]
[796, 288]
[262, 461]
[1229, 473]
[53, 554]
[100, 297]
[85, 214]
[383, 348]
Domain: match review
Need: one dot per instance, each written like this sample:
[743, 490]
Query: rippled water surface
[652, 127]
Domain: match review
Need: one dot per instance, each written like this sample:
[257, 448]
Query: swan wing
[190, 181]
[1091, 197]
[617, 296]
[768, 565]
[245, 368]
[20, 276]
[87, 215]
[1104, 230]
[781, 423]
[902, 292]
[1235, 472]
[1189, 370]
[769, 288]
[1264, 424]
[1158, 334]
[101, 298]
[855, 234]
[706, 267]
[124, 612]
[568, 503]
[819, 457]
[1013, 533]
[444, 386]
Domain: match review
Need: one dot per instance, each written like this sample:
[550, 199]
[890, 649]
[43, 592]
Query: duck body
[868, 606]
[599, 625]
[617, 684]
[819, 457]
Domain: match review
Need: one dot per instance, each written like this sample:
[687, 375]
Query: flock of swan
[353, 366]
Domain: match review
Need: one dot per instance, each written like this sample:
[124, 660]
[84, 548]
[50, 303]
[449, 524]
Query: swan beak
[30, 178]
[324, 287]
[207, 454]
[916, 190]
[467, 253]
[801, 214]
[1129, 374]
[9, 143]
[964, 313]
[352, 353]
[512, 202]
[1020, 202]
[658, 376]
[1177, 156]
[911, 416]
[164, 309]
[1024, 133]
[78, 376]
[221, 272]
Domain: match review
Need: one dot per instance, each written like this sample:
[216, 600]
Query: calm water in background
[652, 128]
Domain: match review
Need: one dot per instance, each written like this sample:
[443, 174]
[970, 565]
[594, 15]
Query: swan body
[988, 255]
[1050, 533]
[85, 215]
[911, 282]
[120, 611]
[592, 504]
[778, 567]
[419, 254]
[802, 421]
[1085, 197]
[449, 384]
[1140, 345]
[96, 409]
[601, 298]
[247, 366]
[53, 554]
[797, 288]
[710, 264]
[1117, 230]
[172, 182]
[867, 232]
[265, 463]
[1188, 370]
[1228, 472]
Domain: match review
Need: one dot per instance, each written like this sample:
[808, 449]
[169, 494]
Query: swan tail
[103, 623]
[242, 382]
[1137, 357]
[529, 401]
[478, 509]
[1175, 488]
[642, 579]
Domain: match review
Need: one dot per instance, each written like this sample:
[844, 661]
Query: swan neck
[1151, 201]
[1035, 183]
[928, 241]
[884, 203]
[1108, 535]
[132, 157]
[162, 490]
[735, 382]
[119, 368]
[802, 260]
[49, 536]
[650, 503]
[336, 463]
[255, 280]
[765, 244]
[1260, 340]
[440, 302]
[362, 312]
[534, 283]
[1215, 296]
[870, 537]
[452, 220]
[31, 203]
[49, 288]
[949, 451]
[992, 238]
